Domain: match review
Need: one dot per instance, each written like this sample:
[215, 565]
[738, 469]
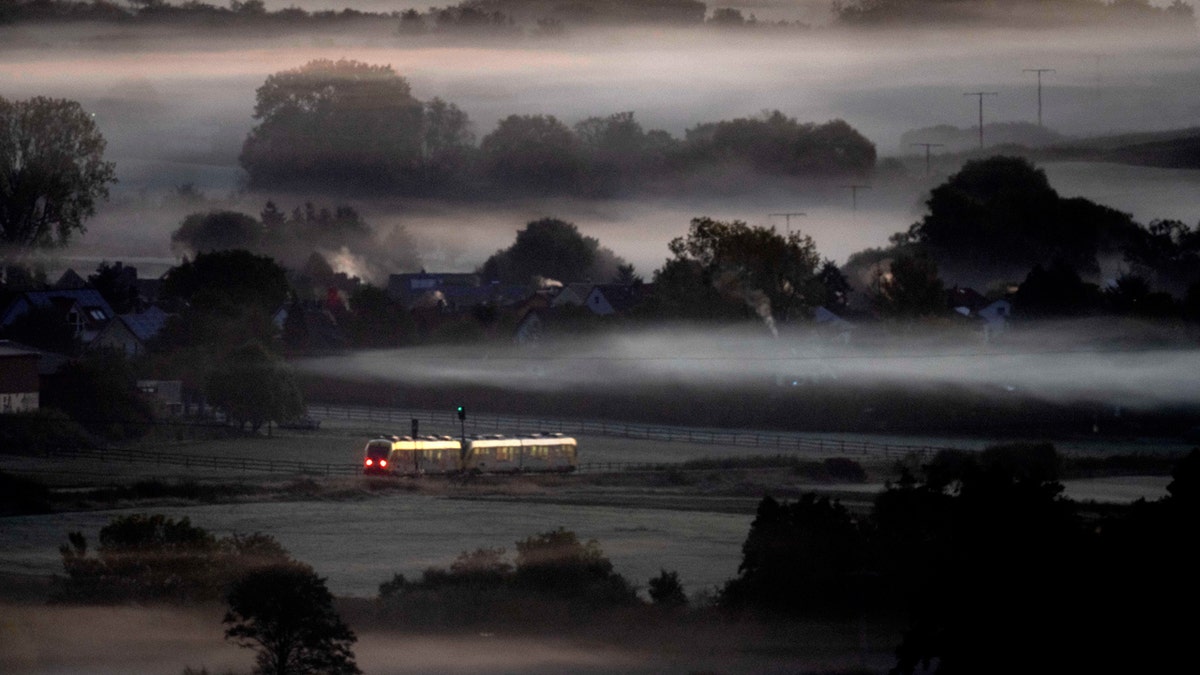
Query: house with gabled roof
[574, 294]
[608, 299]
[129, 333]
[84, 309]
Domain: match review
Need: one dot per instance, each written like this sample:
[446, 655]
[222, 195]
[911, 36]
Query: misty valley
[872, 329]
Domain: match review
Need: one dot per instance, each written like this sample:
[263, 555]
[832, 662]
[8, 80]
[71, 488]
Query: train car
[408, 456]
[377, 455]
[426, 454]
[536, 452]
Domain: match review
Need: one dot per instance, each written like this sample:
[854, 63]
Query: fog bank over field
[176, 108]
[1127, 364]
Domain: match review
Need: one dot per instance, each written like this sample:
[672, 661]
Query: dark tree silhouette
[348, 123]
[99, 392]
[154, 558]
[118, 284]
[798, 557]
[217, 231]
[237, 277]
[999, 215]
[254, 388]
[285, 613]
[777, 144]
[1056, 291]
[910, 289]
[532, 154]
[52, 171]
[376, 320]
[747, 270]
[553, 249]
[556, 563]
[666, 590]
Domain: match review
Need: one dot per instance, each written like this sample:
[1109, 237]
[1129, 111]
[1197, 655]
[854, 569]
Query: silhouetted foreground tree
[995, 569]
[52, 171]
[285, 613]
[666, 590]
[801, 556]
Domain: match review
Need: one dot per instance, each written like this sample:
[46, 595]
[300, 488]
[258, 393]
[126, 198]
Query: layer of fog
[158, 640]
[1120, 364]
[176, 108]
[152, 641]
[809, 11]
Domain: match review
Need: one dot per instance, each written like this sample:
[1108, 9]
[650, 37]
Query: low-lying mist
[176, 108]
[1128, 364]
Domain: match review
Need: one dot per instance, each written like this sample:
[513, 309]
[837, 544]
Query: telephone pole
[981, 94]
[1039, 72]
[927, 146]
[854, 194]
[787, 218]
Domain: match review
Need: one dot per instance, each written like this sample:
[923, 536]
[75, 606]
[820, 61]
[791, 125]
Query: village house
[83, 309]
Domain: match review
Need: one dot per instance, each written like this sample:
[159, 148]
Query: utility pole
[787, 218]
[854, 194]
[981, 94]
[927, 146]
[1039, 72]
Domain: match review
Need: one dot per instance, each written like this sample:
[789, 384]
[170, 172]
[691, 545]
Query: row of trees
[998, 222]
[994, 569]
[277, 606]
[991, 567]
[1178, 15]
[356, 126]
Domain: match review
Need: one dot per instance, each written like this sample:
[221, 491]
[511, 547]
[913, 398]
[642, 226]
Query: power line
[1039, 72]
[787, 218]
[927, 146]
[854, 194]
[981, 94]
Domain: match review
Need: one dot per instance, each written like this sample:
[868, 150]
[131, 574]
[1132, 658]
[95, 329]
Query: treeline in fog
[541, 18]
[351, 126]
[979, 557]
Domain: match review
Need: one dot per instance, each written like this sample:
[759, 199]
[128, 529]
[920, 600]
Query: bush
[155, 558]
[20, 496]
[42, 431]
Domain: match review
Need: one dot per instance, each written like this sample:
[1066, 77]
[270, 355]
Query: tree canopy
[731, 268]
[532, 153]
[345, 121]
[999, 216]
[52, 171]
[229, 276]
[777, 144]
[285, 613]
[155, 558]
[254, 388]
[553, 249]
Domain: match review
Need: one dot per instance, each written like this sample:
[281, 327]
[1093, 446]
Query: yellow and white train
[405, 455]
